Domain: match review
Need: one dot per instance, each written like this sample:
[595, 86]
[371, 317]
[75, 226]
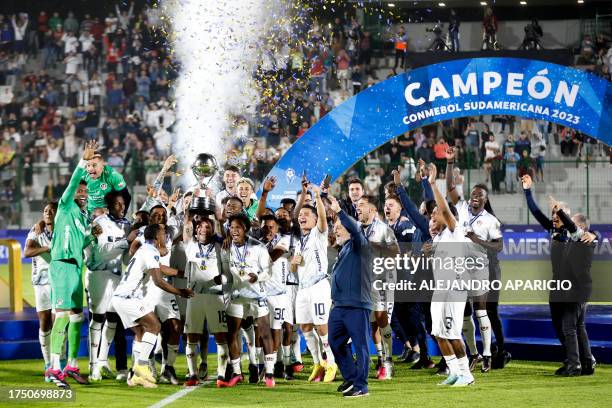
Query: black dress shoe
[345, 387]
[573, 371]
[354, 393]
[561, 370]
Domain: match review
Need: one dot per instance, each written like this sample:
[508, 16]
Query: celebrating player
[101, 179]
[38, 245]
[133, 306]
[71, 231]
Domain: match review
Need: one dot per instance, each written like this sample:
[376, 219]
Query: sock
[286, 355]
[484, 324]
[108, 334]
[296, 346]
[172, 352]
[270, 360]
[74, 338]
[379, 350]
[236, 366]
[464, 366]
[44, 338]
[146, 347]
[95, 333]
[279, 354]
[190, 353]
[260, 355]
[222, 356]
[387, 338]
[58, 337]
[158, 345]
[136, 346]
[451, 362]
[327, 349]
[313, 345]
[469, 332]
[249, 335]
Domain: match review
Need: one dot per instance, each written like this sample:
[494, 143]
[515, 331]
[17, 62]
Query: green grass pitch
[521, 384]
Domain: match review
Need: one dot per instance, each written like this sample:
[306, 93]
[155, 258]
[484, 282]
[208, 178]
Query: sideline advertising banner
[469, 87]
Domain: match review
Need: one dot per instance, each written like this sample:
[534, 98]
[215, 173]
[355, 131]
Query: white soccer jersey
[202, 267]
[245, 259]
[134, 281]
[313, 249]
[171, 234]
[485, 225]
[111, 245]
[40, 263]
[380, 233]
[277, 284]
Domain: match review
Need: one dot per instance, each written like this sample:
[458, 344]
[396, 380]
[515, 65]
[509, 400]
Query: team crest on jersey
[103, 186]
[156, 258]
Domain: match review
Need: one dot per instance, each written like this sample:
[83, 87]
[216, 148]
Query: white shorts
[447, 319]
[42, 295]
[244, 307]
[206, 308]
[100, 286]
[130, 310]
[481, 275]
[312, 305]
[166, 306]
[181, 283]
[281, 310]
[382, 307]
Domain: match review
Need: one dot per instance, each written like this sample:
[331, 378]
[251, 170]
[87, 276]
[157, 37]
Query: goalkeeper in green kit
[71, 234]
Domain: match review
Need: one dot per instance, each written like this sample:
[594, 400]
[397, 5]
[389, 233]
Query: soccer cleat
[129, 377]
[75, 374]
[288, 373]
[486, 364]
[220, 381]
[298, 367]
[192, 381]
[47, 378]
[388, 365]
[317, 373]
[354, 393]
[381, 374]
[269, 380]
[138, 380]
[106, 372]
[153, 368]
[346, 386]
[412, 357]
[330, 373]
[404, 354]
[474, 360]
[279, 369]
[236, 378]
[463, 381]
[122, 375]
[442, 368]
[450, 380]
[203, 372]
[144, 371]
[57, 378]
[95, 375]
[172, 375]
[262, 372]
[253, 374]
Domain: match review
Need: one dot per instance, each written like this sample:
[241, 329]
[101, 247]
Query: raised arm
[300, 203]
[450, 184]
[449, 218]
[349, 223]
[79, 173]
[544, 221]
[417, 218]
[321, 216]
[268, 185]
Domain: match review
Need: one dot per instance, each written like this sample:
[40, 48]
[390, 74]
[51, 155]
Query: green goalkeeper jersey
[108, 181]
[71, 224]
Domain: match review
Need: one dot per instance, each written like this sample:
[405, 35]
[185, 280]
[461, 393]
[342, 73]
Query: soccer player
[484, 229]
[133, 306]
[447, 306]
[38, 248]
[384, 244]
[245, 194]
[166, 306]
[231, 174]
[313, 299]
[207, 306]
[279, 300]
[105, 256]
[70, 235]
[101, 179]
[249, 265]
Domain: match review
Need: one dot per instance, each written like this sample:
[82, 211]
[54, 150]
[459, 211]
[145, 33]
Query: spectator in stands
[492, 148]
[425, 153]
[400, 42]
[440, 149]
[372, 182]
[523, 144]
[510, 159]
[472, 137]
[525, 165]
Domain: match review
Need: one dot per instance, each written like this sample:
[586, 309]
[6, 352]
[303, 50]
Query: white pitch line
[179, 394]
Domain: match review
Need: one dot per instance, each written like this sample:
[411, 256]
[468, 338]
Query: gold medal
[241, 272]
[203, 267]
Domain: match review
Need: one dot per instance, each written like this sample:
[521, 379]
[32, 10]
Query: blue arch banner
[469, 87]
